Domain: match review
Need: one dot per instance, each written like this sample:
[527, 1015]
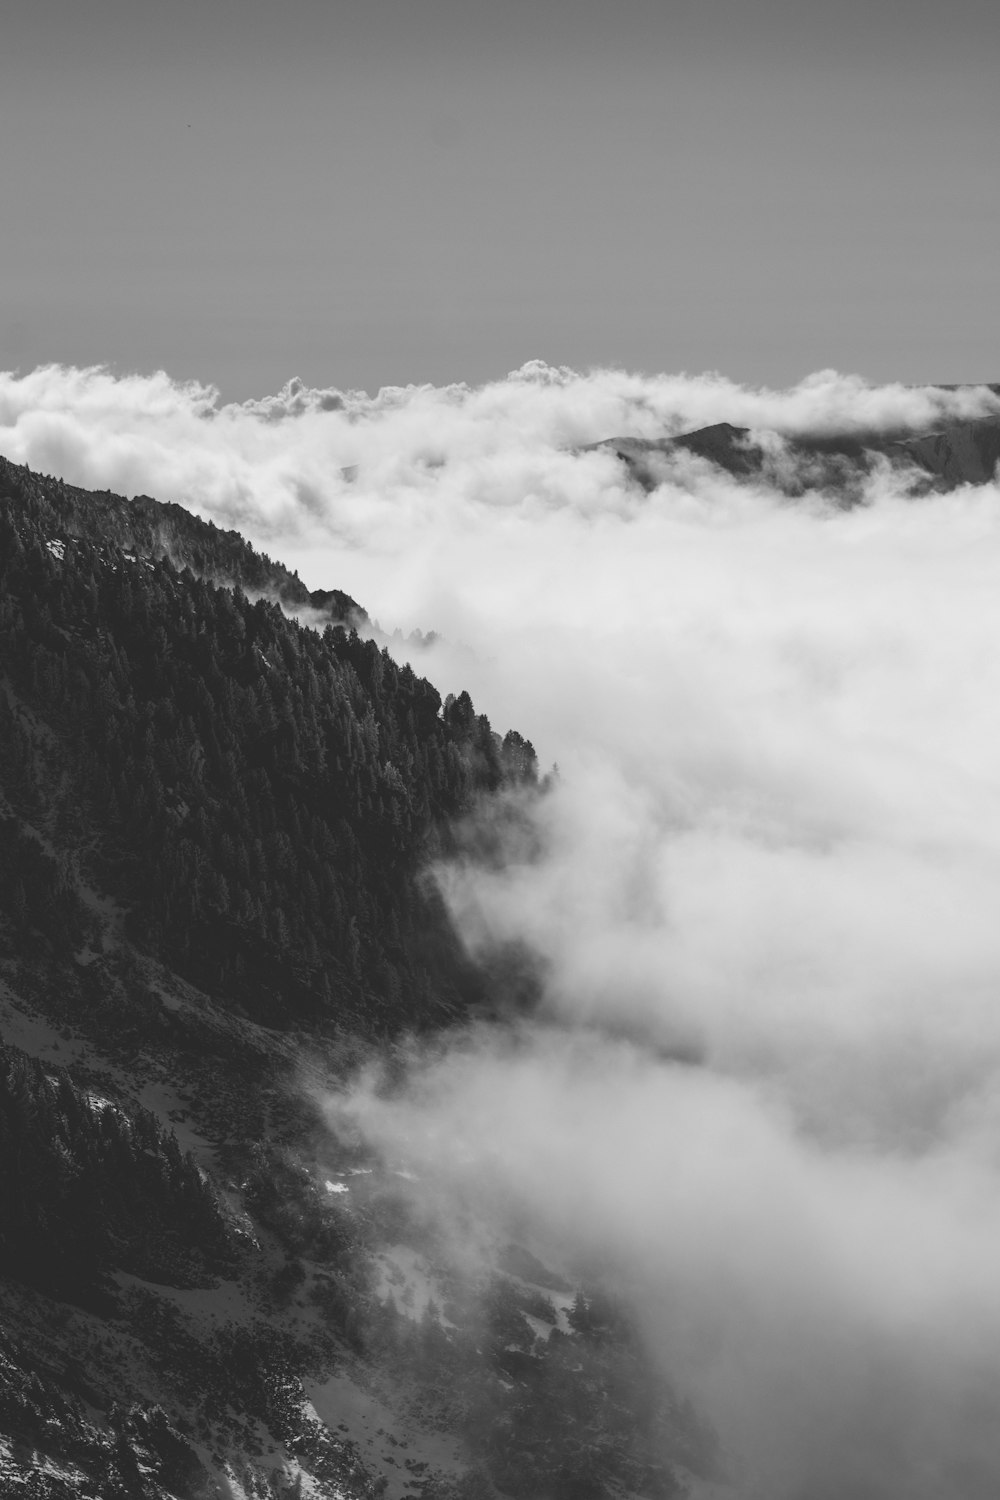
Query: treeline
[154, 529]
[88, 1185]
[260, 797]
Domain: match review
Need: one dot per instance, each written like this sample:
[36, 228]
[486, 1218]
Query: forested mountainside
[214, 828]
[157, 529]
[259, 797]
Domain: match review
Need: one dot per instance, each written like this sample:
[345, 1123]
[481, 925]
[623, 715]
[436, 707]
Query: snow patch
[100, 1102]
[539, 1327]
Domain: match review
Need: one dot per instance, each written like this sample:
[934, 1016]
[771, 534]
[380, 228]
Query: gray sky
[376, 193]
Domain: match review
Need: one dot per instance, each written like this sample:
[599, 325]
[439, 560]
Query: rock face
[964, 454]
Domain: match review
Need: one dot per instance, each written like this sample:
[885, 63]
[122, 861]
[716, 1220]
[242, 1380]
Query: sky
[384, 193]
[760, 1089]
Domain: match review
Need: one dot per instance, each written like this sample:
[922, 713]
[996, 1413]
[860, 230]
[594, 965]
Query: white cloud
[272, 465]
[774, 849]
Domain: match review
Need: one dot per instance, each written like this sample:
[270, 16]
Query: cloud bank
[764, 1084]
[365, 466]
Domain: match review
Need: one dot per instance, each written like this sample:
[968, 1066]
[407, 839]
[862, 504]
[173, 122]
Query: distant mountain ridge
[956, 454]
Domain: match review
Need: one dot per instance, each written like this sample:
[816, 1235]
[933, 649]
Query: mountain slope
[214, 825]
[260, 798]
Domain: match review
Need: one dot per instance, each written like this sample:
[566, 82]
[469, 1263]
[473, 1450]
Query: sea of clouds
[764, 1083]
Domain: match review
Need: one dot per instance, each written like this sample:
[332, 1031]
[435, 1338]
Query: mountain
[839, 463]
[967, 453]
[215, 829]
[154, 530]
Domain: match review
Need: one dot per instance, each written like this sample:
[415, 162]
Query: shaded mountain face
[962, 453]
[215, 826]
[259, 797]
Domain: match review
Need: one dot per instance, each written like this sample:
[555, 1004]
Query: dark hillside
[87, 1185]
[258, 798]
[156, 529]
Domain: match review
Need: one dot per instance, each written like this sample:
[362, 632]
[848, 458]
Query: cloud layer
[764, 1082]
[369, 464]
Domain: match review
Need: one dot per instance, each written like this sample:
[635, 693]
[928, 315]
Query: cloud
[836, 1316]
[367, 463]
[763, 890]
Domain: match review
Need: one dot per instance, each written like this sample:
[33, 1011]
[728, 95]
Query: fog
[762, 1083]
